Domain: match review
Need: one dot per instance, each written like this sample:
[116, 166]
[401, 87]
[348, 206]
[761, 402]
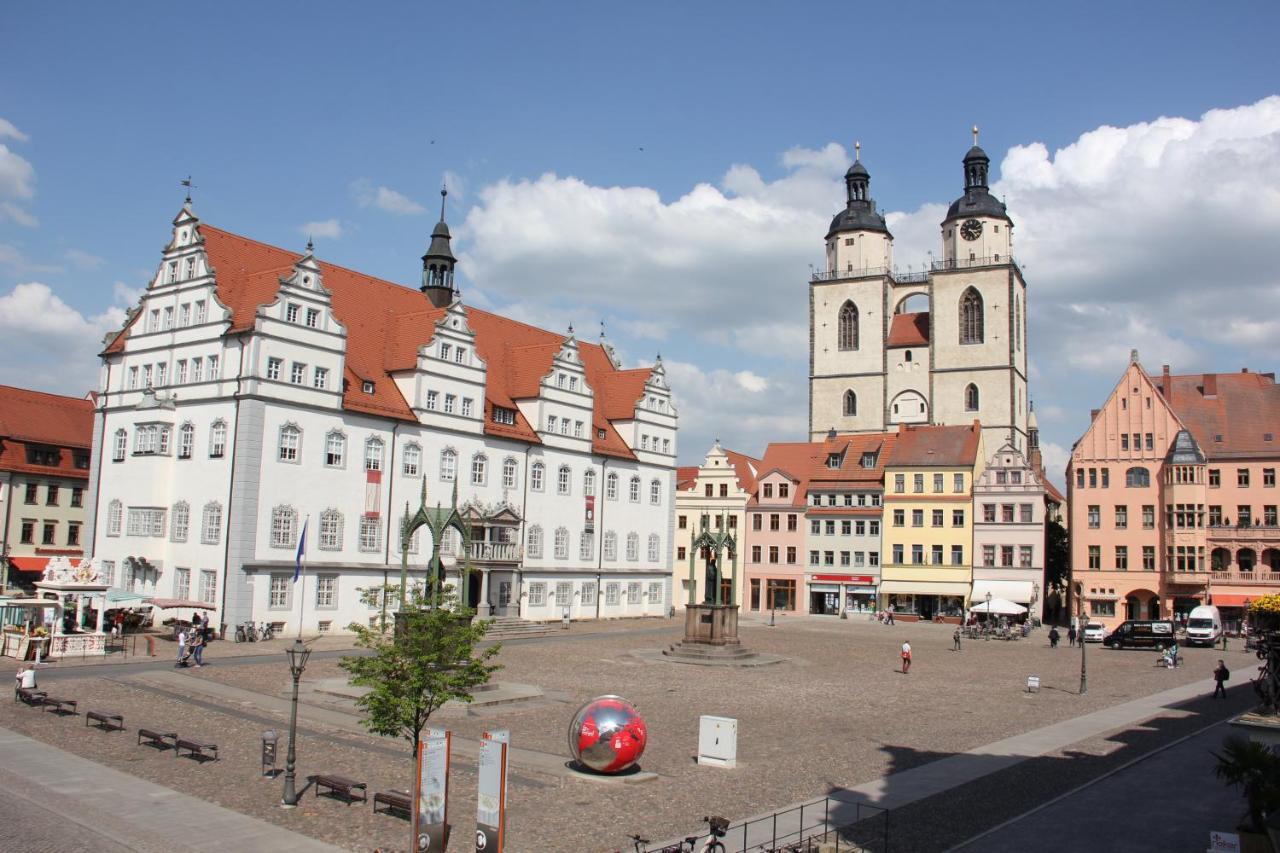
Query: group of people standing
[192, 642]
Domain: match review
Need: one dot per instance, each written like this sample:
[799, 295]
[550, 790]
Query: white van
[1204, 626]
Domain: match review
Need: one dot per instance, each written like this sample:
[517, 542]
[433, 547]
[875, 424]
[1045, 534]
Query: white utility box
[718, 741]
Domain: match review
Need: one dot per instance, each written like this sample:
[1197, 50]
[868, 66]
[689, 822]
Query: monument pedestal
[710, 636]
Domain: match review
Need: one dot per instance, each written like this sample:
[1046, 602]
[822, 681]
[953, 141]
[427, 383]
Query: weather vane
[190, 186]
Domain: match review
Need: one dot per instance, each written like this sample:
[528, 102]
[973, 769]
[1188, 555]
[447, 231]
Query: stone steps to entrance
[514, 628]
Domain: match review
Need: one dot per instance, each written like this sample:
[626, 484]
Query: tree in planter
[430, 659]
[1255, 770]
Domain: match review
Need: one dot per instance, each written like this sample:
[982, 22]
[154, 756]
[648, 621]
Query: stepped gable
[909, 330]
[387, 323]
[1242, 408]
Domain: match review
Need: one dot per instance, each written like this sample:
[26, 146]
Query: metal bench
[106, 720]
[394, 800]
[160, 740]
[59, 706]
[341, 785]
[199, 750]
[29, 695]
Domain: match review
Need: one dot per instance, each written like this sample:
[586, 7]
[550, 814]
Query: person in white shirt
[906, 658]
[182, 647]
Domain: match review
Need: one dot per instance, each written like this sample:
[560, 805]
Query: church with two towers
[946, 345]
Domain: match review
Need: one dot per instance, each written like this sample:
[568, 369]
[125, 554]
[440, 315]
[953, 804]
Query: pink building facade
[775, 532]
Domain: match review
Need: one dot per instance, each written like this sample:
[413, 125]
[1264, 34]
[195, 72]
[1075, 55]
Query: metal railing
[911, 275]
[1228, 578]
[849, 825]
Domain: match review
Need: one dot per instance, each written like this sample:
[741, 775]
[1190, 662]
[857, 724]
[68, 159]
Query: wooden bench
[199, 750]
[343, 786]
[29, 695]
[394, 800]
[59, 706]
[160, 740]
[106, 720]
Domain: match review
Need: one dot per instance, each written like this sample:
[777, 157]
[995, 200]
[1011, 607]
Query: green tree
[1057, 557]
[429, 659]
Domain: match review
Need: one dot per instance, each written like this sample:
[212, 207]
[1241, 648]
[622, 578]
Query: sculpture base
[711, 637]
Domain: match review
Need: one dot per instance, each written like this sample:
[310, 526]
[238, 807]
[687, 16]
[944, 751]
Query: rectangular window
[937, 482]
[1079, 478]
[291, 313]
[197, 369]
[182, 583]
[936, 555]
[1122, 558]
[917, 554]
[899, 483]
[49, 533]
[1150, 442]
[1093, 478]
[957, 484]
[1095, 556]
[1148, 517]
[450, 403]
[180, 372]
[326, 591]
[1025, 512]
[1122, 517]
[370, 533]
[938, 517]
[589, 590]
[612, 593]
[51, 496]
[146, 522]
[199, 311]
[813, 558]
[897, 554]
[1269, 478]
[1102, 608]
[298, 373]
[755, 553]
[321, 379]
[1006, 513]
[1215, 478]
[281, 587]
[1242, 477]
[917, 518]
[274, 366]
[208, 586]
[917, 483]
[831, 527]
[791, 555]
[1124, 441]
[633, 592]
[1148, 558]
[988, 555]
[1244, 516]
[313, 317]
[564, 593]
[1269, 515]
[899, 517]
[433, 400]
[1006, 555]
[468, 405]
[1095, 516]
[1106, 478]
[957, 518]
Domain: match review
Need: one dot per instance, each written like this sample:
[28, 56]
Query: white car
[1094, 632]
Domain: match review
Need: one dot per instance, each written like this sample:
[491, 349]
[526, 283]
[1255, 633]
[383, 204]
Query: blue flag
[302, 551]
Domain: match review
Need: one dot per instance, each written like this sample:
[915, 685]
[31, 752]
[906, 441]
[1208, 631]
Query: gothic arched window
[971, 317]
[850, 403]
[971, 397]
[848, 326]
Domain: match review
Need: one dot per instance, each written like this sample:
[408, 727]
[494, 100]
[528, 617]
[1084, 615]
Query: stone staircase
[515, 628]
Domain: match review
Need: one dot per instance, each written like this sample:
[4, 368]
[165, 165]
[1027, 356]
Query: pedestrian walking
[890, 614]
[1071, 636]
[197, 648]
[955, 639]
[1054, 637]
[906, 657]
[1224, 641]
[182, 647]
[1220, 676]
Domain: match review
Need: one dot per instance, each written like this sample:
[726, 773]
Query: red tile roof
[746, 468]
[909, 330]
[686, 477]
[386, 323]
[45, 418]
[793, 458]
[936, 445]
[1243, 411]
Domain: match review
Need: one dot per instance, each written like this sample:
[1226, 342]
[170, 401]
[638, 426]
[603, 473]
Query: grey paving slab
[1186, 806]
[132, 813]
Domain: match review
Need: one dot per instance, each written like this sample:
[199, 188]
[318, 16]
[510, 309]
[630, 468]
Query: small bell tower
[438, 263]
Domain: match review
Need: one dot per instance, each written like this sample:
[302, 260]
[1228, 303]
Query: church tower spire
[438, 263]
[858, 238]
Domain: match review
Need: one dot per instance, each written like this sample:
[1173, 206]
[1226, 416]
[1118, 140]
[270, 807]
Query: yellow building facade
[927, 538]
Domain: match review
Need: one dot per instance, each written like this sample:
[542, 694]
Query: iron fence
[849, 825]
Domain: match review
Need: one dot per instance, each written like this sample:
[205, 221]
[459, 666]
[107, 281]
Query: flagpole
[302, 574]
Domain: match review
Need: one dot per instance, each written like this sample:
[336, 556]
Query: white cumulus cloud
[327, 228]
[8, 130]
[385, 199]
[63, 342]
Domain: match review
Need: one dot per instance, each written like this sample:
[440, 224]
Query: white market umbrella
[999, 607]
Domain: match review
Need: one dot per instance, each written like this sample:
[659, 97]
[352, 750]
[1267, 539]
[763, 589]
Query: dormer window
[868, 460]
[600, 434]
[833, 460]
[367, 386]
[502, 415]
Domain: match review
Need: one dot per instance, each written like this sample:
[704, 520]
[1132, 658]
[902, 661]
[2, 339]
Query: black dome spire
[977, 199]
[438, 262]
[859, 213]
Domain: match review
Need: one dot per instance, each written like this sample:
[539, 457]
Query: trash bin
[269, 738]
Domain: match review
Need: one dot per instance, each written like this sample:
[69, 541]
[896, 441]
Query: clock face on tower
[971, 229]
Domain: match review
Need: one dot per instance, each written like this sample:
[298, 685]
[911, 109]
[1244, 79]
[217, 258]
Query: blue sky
[298, 117]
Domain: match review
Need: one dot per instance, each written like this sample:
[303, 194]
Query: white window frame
[561, 543]
[335, 449]
[611, 546]
[289, 446]
[180, 524]
[373, 454]
[411, 460]
[330, 538]
[284, 521]
[211, 523]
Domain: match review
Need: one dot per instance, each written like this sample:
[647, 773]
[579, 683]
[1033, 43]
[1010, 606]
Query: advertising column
[431, 792]
[491, 803]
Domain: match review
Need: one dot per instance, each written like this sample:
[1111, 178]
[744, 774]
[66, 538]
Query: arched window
[534, 544]
[330, 530]
[335, 449]
[479, 469]
[373, 454]
[655, 492]
[562, 543]
[179, 521]
[120, 447]
[290, 443]
[971, 317]
[848, 326]
[448, 465]
[633, 547]
[537, 474]
[654, 547]
[611, 546]
[186, 440]
[589, 482]
[850, 403]
[562, 480]
[508, 473]
[211, 529]
[586, 545]
[611, 487]
[115, 517]
[634, 493]
[971, 397]
[217, 439]
[1137, 477]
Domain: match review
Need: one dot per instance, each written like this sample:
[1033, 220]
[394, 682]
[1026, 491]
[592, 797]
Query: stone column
[102, 607]
[79, 611]
[482, 607]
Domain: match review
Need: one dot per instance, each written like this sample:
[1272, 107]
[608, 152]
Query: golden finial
[975, 136]
[857, 150]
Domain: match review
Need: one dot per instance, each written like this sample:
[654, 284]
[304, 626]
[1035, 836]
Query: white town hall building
[256, 390]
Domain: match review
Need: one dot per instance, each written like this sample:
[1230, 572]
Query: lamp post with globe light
[298, 654]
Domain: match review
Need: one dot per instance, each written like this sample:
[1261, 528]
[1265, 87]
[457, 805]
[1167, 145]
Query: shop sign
[862, 580]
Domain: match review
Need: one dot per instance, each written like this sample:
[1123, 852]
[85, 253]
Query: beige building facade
[712, 497]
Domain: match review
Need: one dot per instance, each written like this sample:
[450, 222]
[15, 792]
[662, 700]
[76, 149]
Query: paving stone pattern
[836, 714]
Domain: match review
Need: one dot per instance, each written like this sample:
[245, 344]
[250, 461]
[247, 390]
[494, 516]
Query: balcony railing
[495, 552]
[911, 275]
[1193, 578]
[1241, 578]
[1246, 532]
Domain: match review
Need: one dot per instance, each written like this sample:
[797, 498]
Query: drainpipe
[391, 481]
[97, 492]
[604, 463]
[231, 481]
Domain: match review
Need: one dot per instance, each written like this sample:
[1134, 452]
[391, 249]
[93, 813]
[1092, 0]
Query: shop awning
[1222, 599]
[29, 564]
[1018, 591]
[124, 598]
[173, 603]
[924, 588]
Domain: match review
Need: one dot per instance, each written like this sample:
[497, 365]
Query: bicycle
[718, 827]
[267, 632]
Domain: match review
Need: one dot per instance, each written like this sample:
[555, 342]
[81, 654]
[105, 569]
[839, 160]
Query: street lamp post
[773, 603]
[1084, 671]
[988, 623]
[298, 654]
